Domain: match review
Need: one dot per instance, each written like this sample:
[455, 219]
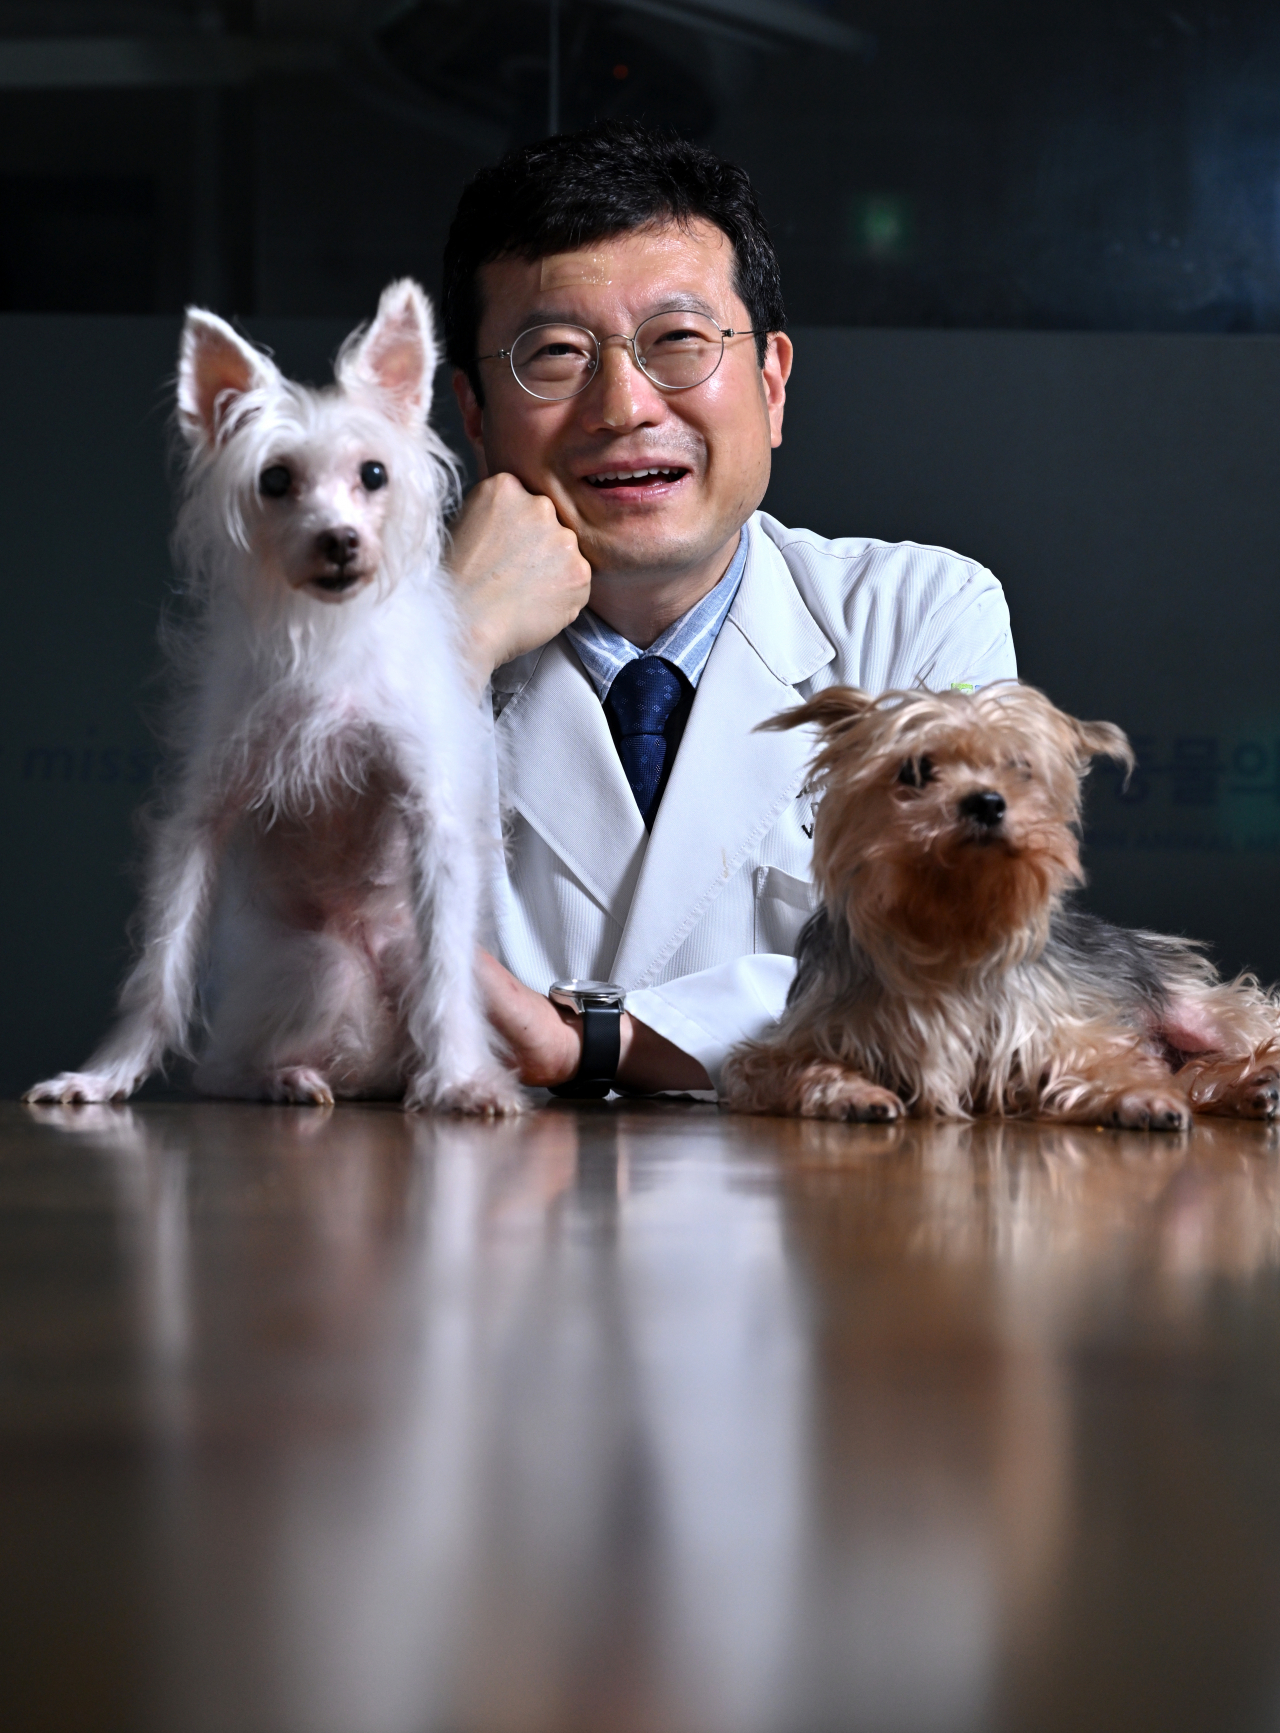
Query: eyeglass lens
[676, 350]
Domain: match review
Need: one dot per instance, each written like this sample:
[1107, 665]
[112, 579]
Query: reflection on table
[635, 1418]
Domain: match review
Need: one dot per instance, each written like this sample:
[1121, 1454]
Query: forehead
[618, 279]
[325, 425]
[948, 740]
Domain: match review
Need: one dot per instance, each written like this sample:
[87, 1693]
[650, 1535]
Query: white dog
[319, 864]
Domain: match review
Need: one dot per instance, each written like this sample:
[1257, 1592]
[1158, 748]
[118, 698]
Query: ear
[396, 357]
[777, 370]
[1104, 740]
[832, 709]
[215, 368]
[472, 420]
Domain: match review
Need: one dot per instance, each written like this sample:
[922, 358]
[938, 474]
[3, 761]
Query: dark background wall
[1121, 486]
[1068, 164]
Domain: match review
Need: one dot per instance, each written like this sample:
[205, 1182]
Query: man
[613, 310]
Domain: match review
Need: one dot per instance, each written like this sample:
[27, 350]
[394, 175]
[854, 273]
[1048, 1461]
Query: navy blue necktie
[644, 700]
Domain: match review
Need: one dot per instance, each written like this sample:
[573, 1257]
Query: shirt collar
[686, 644]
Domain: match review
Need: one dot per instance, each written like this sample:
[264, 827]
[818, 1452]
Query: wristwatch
[599, 1004]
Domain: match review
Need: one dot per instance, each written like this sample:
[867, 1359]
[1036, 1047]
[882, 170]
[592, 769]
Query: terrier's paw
[1256, 1096]
[300, 1085]
[1150, 1110]
[830, 1092]
[70, 1088]
[491, 1095]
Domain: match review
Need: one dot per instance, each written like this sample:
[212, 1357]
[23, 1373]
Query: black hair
[579, 187]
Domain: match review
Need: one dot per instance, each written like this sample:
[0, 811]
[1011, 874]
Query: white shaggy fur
[319, 864]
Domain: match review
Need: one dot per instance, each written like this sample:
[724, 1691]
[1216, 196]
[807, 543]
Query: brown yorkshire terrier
[948, 973]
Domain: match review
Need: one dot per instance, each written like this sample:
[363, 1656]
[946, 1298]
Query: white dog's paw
[831, 1092]
[110, 1120]
[1150, 1109]
[73, 1088]
[300, 1085]
[489, 1095]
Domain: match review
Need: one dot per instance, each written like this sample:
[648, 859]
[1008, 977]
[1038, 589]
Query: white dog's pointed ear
[396, 357]
[215, 368]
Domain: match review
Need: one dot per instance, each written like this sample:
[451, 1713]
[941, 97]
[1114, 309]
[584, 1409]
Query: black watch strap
[601, 1046]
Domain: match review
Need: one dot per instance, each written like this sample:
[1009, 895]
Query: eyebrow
[681, 302]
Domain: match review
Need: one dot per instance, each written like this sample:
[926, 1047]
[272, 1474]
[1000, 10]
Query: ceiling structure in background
[1095, 164]
[483, 74]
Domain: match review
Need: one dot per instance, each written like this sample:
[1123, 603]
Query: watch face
[580, 993]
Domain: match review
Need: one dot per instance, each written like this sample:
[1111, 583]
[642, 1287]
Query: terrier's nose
[338, 546]
[985, 807]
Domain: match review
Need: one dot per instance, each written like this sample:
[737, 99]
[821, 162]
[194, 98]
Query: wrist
[481, 652]
[596, 1010]
[569, 1053]
[626, 1042]
[545, 1046]
[569, 1050]
[648, 1062]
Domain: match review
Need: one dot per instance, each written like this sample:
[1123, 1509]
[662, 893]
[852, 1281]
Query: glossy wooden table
[632, 1419]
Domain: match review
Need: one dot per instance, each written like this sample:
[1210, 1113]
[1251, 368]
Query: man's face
[713, 441]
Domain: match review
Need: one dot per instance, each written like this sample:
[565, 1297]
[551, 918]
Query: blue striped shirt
[686, 644]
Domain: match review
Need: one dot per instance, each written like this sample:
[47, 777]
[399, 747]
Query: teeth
[629, 475]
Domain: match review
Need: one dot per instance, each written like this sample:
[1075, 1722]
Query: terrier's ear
[831, 709]
[215, 369]
[1103, 740]
[396, 357]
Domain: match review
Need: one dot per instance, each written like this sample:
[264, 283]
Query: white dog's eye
[372, 477]
[275, 481]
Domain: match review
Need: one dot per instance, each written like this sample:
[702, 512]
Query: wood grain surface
[634, 1419]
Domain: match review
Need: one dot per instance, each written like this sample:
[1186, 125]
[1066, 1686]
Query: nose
[984, 806]
[625, 395]
[338, 547]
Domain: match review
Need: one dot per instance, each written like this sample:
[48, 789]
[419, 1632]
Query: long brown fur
[948, 972]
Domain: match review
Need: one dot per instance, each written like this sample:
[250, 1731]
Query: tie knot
[643, 696]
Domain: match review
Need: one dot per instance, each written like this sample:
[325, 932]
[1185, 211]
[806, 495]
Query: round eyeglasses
[675, 350]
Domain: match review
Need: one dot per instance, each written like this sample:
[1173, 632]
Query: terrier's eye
[916, 772]
[275, 481]
[372, 477]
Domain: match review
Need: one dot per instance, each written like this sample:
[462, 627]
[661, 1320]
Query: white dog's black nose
[984, 807]
[338, 547]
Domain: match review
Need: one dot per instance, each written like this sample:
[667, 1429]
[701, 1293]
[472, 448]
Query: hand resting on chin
[519, 575]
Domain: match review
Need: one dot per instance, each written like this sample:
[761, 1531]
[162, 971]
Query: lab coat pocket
[783, 903]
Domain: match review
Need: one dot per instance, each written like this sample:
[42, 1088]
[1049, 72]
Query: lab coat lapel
[728, 785]
[562, 773]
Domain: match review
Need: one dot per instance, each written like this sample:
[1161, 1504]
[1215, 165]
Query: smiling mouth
[634, 478]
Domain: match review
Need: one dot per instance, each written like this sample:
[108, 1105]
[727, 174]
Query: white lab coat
[699, 920]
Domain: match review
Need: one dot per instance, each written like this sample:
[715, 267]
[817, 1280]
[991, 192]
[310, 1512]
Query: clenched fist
[520, 574]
